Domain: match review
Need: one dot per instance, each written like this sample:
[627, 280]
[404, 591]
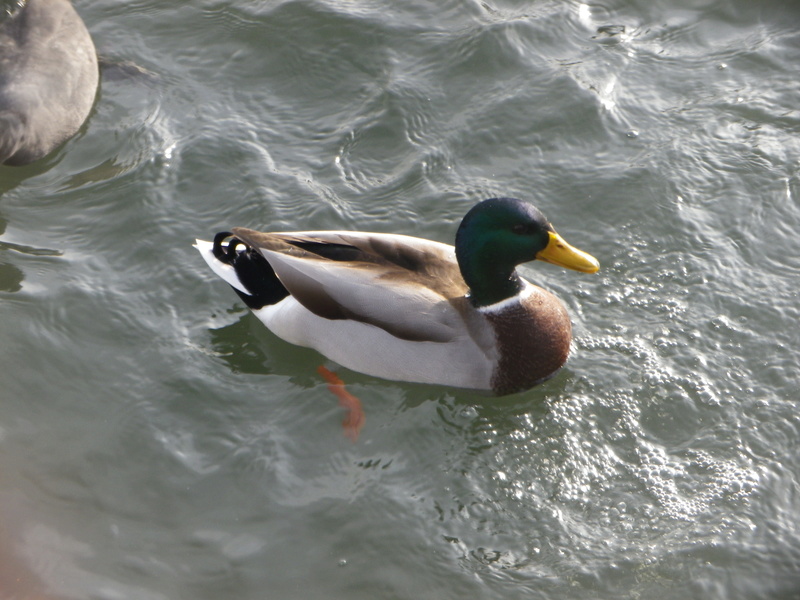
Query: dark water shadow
[246, 346]
[11, 177]
[10, 276]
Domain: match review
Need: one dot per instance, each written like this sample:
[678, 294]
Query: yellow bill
[559, 252]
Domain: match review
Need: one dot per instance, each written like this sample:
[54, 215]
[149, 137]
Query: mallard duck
[410, 309]
[48, 77]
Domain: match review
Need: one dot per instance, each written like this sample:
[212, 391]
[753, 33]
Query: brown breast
[533, 338]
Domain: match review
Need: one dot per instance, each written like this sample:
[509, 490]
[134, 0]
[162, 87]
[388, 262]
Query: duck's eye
[521, 229]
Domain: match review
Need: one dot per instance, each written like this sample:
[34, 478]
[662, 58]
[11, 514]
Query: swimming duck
[48, 77]
[410, 309]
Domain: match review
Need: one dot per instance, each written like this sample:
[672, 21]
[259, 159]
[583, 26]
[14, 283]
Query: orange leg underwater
[355, 418]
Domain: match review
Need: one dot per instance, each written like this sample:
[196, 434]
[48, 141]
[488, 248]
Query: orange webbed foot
[354, 418]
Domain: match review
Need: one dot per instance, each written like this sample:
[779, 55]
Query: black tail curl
[226, 254]
[253, 270]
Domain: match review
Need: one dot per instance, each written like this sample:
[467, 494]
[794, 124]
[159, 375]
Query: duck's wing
[407, 286]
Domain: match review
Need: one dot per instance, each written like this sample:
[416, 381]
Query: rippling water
[157, 442]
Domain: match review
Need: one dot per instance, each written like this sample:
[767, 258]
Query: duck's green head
[498, 234]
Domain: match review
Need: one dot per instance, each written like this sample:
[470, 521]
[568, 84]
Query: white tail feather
[227, 272]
